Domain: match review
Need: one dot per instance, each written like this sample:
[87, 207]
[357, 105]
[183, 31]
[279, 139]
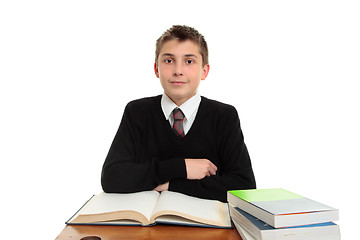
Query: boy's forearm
[214, 187]
[128, 176]
[196, 169]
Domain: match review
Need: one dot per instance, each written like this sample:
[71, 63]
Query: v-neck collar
[188, 108]
[195, 126]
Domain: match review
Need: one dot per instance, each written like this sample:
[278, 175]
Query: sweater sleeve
[124, 172]
[235, 170]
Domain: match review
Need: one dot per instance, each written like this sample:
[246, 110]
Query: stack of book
[269, 214]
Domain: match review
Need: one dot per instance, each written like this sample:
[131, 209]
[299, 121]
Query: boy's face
[180, 69]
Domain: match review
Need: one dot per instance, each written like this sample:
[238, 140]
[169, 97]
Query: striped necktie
[178, 127]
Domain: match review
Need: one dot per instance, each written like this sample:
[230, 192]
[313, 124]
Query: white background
[67, 69]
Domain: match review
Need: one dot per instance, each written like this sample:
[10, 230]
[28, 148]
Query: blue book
[259, 230]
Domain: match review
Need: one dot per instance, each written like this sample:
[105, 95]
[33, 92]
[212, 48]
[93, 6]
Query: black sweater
[145, 151]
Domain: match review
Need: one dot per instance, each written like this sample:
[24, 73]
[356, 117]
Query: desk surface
[159, 232]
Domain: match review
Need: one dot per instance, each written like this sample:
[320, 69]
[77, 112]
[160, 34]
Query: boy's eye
[168, 60]
[189, 61]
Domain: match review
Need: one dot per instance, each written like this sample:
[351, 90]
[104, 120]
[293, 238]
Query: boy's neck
[181, 101]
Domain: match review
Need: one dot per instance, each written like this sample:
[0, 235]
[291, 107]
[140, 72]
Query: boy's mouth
[177, 83]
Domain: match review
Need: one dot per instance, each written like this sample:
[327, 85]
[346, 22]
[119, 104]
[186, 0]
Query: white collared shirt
[189, 108]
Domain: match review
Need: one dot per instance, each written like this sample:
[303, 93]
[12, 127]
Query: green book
[281, 208]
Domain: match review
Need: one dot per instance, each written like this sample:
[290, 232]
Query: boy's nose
[178, 74]
[178, 70]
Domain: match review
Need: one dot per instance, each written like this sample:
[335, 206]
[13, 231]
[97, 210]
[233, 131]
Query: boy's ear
[205, 73]
[156, 70]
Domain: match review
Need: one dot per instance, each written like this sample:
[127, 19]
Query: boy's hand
[199, 168]
[162, 187]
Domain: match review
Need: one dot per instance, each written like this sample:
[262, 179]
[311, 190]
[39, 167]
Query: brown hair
[182, 33]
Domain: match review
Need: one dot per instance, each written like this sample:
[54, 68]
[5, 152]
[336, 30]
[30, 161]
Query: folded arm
[234, 170]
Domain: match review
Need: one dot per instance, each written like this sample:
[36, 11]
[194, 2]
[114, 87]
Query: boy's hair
[182, 33]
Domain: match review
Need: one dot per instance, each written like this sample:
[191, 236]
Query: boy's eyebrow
[172, 55]
[190, 55]
[167, 55]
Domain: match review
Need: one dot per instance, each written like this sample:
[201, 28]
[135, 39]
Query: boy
[179, 141]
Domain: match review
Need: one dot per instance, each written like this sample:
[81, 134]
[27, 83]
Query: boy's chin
[180, 98]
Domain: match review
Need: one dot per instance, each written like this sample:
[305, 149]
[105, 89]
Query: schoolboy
[179, 141]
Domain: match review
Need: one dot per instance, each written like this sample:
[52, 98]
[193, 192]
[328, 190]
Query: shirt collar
[188, 107]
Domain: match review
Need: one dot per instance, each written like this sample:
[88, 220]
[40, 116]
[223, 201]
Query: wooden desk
[158, 232]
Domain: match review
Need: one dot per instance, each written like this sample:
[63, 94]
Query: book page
[209, 212]
[142, 202]
[243, 233]
[176, 220]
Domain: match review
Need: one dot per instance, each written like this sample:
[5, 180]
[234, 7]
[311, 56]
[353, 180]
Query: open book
[150, 207]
